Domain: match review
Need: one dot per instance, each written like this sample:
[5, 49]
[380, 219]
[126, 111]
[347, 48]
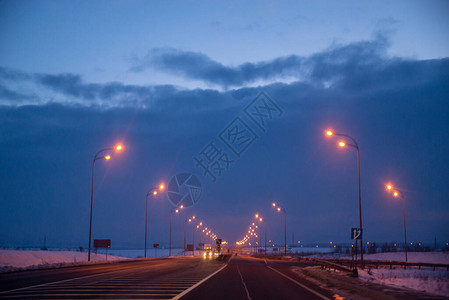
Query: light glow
[342, 144]
[118, 147]
[107, 157]
[329, 133]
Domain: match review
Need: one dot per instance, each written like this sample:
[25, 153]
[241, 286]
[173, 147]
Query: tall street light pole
[259, 217]
[342, 144]
[153, 191]
[96, 157]
[193, 236]
[280, 208]
[185, 222]
[397, 193]
[176, 210]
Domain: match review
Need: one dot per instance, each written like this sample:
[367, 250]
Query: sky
[195, 86]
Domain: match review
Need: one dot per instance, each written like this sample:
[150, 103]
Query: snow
[433, 282]
[30, 259]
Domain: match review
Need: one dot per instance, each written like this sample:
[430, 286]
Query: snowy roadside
[435, 282]
[429, 281]
[14, 260]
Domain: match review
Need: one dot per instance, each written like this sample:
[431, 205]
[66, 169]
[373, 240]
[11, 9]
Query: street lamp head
[274, 204]
[190, 220]
[279, 209]
[161, 186]
[329, 133]
[256, 216]
[341, 144]
[107, 157]
[155, 192]
[260, 219]
[193, 218]
[118, 147]
[181, 206]
[389, 187]
[177, 210]
[395, 194]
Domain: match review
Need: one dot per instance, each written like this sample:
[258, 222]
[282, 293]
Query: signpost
[102, 244]
[356, 234]
[155, 246]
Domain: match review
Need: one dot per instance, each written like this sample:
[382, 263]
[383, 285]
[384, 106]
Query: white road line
[300, 284]
[71, 279]
[246, 289]
[199, 283]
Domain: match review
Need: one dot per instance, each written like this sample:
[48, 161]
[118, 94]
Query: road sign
[155, 245]
[356, 233]
[102, 243]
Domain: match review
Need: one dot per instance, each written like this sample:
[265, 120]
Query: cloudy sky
[172, 80]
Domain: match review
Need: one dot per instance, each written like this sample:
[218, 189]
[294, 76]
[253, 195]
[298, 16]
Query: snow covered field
[433, 282]
[30, 259]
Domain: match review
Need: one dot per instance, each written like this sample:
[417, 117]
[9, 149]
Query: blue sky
[166, 78]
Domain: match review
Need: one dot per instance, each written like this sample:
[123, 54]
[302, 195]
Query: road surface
[188, 278]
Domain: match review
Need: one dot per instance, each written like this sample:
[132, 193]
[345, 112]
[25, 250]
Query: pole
[185, 238]
[265, 238]
[146, 222]
[405, 230]
[285, 232]
[169, 249]
[360, 205]
[193, 240]
[91, 206]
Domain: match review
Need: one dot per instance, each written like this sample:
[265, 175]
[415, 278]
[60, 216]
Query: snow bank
[30, 259]
[433, 282]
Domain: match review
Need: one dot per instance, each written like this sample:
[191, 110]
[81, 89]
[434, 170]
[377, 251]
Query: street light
[176, 210]
[343, 144]
[193, 235]
[153, 191]
[259, 217]
[279, 208]
[185, 222]
[96, 157]
[397, 193]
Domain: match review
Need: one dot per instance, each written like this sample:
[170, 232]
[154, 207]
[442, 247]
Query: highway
[144, 279]
[188, 278]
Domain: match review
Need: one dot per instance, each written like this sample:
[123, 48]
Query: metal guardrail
[387, 263]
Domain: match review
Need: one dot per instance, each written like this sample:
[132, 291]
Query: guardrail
[387, 263]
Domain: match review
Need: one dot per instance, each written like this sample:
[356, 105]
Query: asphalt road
[186, 278]
[248, 278]
[145, 279]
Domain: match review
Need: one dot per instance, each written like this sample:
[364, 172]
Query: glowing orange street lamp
[96, 157]
[259, 217]
[279, 208]
[185, 223]
[397, 193]
[176, 210]
[154, 191]
[354, 144]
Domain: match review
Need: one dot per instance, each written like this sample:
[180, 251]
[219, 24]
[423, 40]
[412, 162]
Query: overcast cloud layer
[397, 109]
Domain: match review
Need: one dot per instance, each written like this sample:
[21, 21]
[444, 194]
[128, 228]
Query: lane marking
[199, 283]
[72, 279]
[300, 284]
[246, 289]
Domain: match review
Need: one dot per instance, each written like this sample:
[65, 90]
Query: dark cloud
[397, 109]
